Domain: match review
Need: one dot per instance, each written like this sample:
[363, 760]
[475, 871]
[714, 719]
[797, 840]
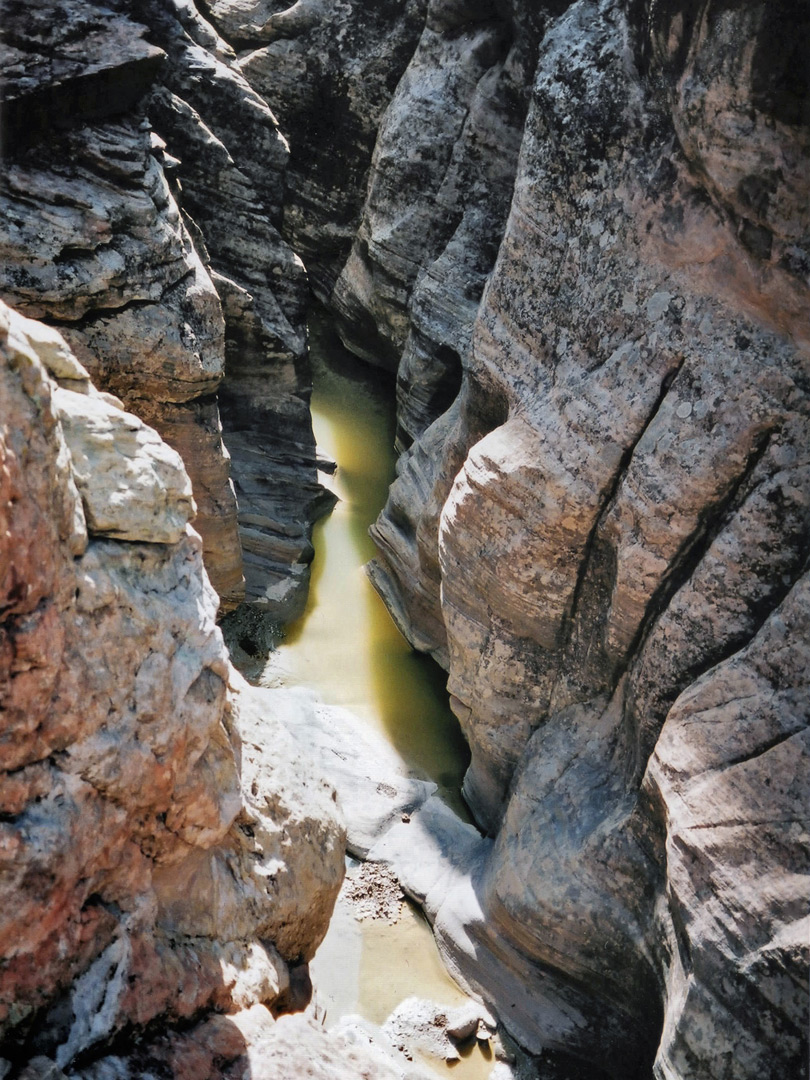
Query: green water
[345, 645]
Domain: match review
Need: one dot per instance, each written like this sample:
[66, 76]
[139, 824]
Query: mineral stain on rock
[575, 236]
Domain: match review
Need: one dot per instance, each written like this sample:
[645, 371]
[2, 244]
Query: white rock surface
[121, 466]
[374, 788]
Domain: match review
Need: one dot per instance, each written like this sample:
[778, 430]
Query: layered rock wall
[142, 197]
[584, 249]
[330, 71]
[600, 523]
[165, 850]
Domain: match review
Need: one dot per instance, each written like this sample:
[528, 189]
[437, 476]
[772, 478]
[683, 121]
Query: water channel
[346, 647]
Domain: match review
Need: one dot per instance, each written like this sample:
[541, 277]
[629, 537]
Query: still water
[346, 647]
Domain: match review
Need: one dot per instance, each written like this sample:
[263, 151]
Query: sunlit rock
[166, 850]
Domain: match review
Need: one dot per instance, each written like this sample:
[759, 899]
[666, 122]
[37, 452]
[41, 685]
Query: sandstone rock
[232, 163]
[434, 1031]
[401, 1057]
[136, 783]
[107, 252]
[614, 504]
[372, 787]
[119, 464]
[89, 63]
[407, 220]
[600, 524]
[430, 851]
[730, 770]
[287, 809]
[251, 1043]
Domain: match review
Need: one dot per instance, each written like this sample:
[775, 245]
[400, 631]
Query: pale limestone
[120, 465]
[166, 849]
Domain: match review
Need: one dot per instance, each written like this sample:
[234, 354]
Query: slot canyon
[405, 540]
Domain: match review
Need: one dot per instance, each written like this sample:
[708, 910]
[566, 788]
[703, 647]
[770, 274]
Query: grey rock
[611, 511]
[329, 71]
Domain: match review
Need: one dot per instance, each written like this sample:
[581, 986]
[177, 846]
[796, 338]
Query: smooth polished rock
[614, 504]
[374, 788]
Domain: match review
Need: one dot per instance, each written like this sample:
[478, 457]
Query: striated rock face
[584, 249]
[329, 71]
[164, 848]
[601, 526]
[93, 240]
[141, 206]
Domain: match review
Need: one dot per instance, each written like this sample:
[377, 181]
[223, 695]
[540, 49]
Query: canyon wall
[165, 849]
[142, 196]
[584, 249]
[579, 234]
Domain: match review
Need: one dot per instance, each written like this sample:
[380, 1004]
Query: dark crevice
[570, 623]
[694, 548]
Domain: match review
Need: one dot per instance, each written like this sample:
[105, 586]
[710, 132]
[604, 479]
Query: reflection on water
[345, 645]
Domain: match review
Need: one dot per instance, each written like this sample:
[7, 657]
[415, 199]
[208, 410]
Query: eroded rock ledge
[142, 197]
[584, 249]
[165, 848]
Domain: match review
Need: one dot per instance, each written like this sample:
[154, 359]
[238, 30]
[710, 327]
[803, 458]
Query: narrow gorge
[553, 260]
